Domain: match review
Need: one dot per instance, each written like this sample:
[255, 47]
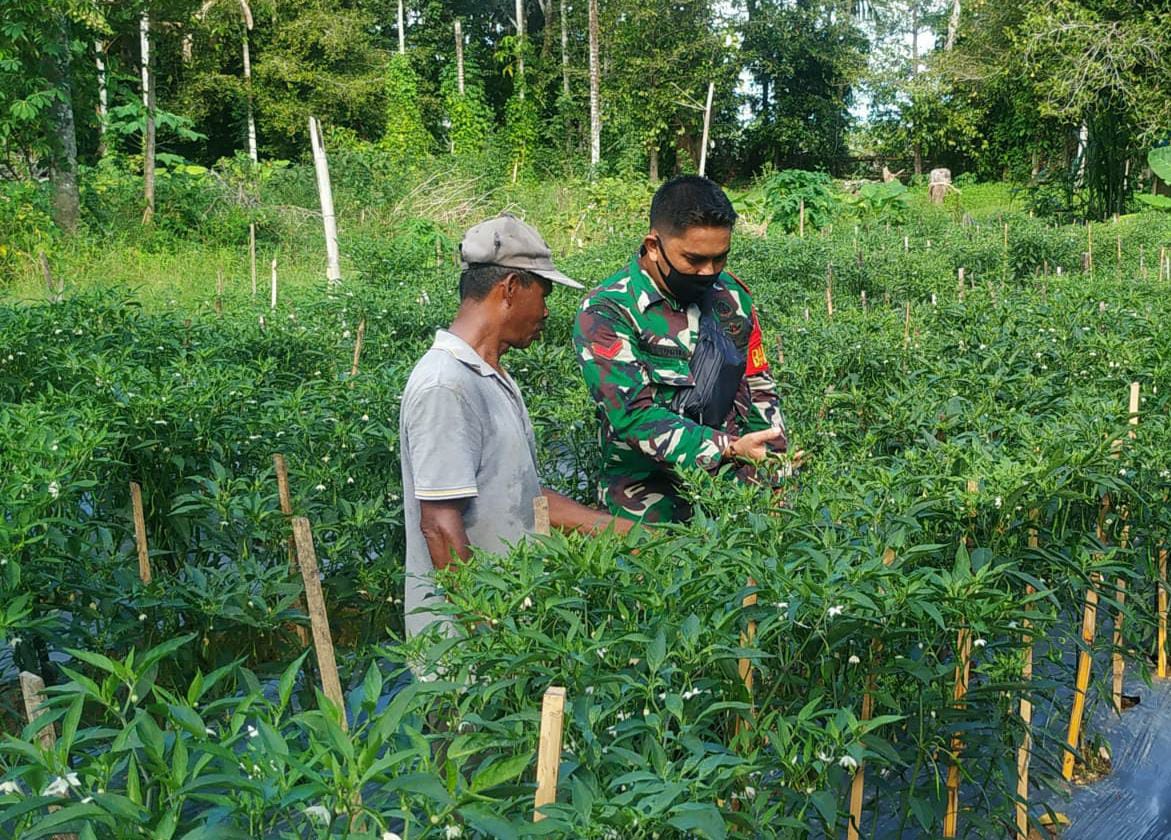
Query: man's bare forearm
[567, 515]
[442, 524]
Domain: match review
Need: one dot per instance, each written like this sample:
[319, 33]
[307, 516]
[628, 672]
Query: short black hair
[478, 279]
[689, 201]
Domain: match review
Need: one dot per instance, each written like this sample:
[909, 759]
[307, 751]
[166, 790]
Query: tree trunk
[402, 33]
[148, 139]
[595, 96]
[564, 51]
[654, 161]
[332, 270]
[63, 170]
[918, 152]
[103, 96]
[252, 153]
[459, 57]
[953, 25]
[520, 47]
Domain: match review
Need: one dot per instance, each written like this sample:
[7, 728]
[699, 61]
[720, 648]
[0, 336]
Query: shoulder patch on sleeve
[757, 361]
[739, 282]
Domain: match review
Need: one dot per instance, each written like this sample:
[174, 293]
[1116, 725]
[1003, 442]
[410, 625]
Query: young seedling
[549, 749]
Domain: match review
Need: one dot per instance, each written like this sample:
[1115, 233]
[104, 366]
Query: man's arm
[764, 408]
[567, 515]
[442, 524]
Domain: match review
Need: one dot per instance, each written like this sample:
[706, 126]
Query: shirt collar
[451, 343]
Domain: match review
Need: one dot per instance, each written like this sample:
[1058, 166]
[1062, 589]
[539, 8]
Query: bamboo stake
[219, 293]
[865, 305]
[744, 666]
[140, 532]
[357, 348]
[801, 217]
[858, 783]
[1090, 248]
[963, 671]
[907, 323]
[780, 350]
[1162, 606]
[325, 193]
[286, 502]
[32, 688]
[549, 748]
[707, 122]
[1024, 751]
[252, 254]
[541, 516]
[322, 640]
[272, 302]
[906, 244]
[829, 290]
[1082, 679]
[960, 282]
[1118, 661]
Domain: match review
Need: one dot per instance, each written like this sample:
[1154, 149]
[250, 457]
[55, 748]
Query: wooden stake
[744, 666]
[252, 254]
[1024, 751]
[858, 783]
[325, 192]
[801, 217]
[960, 282]
[865, 306]
[906, 244]
[357, 348]
[1161, 659]
[963, 670]
[32, 687]
[1082, 680]
[322, 640]
[140, 532]
[707, 122]
[1090, 248]
[541, 516]
[1118, 661]
[286, 503]
[219, 293]
[272, 302]
[549, 748]
[907, 323]
[780, 350]
[829, 290]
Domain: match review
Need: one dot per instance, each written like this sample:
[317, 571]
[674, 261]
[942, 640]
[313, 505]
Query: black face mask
[685, 288]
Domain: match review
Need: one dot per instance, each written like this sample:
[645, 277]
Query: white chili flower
[999, 501]
[835, 611]
[60, 786]
[8, 788]
[252, 731]
[980, 643]
[527, 603]
[452, 831]
[15, 640]
[142, 616]
[749, 792]
[318, 814]
[319, 487]
[601, 652]
[781, 605]
[854, 660]
[848, 762]
[390, 835]
[54, 489]
[825, 756]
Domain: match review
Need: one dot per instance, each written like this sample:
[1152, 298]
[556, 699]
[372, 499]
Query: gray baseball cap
[508, 242]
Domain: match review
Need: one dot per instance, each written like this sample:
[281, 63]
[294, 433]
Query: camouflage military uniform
[634, 346]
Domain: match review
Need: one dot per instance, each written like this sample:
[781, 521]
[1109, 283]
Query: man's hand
[752, 446]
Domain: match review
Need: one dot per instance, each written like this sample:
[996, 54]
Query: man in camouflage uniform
[635, 336]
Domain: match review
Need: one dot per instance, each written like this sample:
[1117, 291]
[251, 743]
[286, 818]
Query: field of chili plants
[972, 476]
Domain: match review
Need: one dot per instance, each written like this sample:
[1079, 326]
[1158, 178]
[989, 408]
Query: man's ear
[509, 286]
[650, 245]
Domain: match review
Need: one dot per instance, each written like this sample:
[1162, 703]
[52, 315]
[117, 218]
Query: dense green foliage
[185, 707]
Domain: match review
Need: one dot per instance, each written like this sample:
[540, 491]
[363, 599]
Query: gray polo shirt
[464, 433]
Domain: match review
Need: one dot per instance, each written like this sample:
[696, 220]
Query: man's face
[693, 250]
[526, 309]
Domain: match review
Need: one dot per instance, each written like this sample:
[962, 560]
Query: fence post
[32, 689]
[549, 749]
[357, 349]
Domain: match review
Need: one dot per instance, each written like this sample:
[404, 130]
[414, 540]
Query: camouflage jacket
[634, 346]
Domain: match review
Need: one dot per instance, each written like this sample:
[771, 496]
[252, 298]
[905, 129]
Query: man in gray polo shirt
[468, 452]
